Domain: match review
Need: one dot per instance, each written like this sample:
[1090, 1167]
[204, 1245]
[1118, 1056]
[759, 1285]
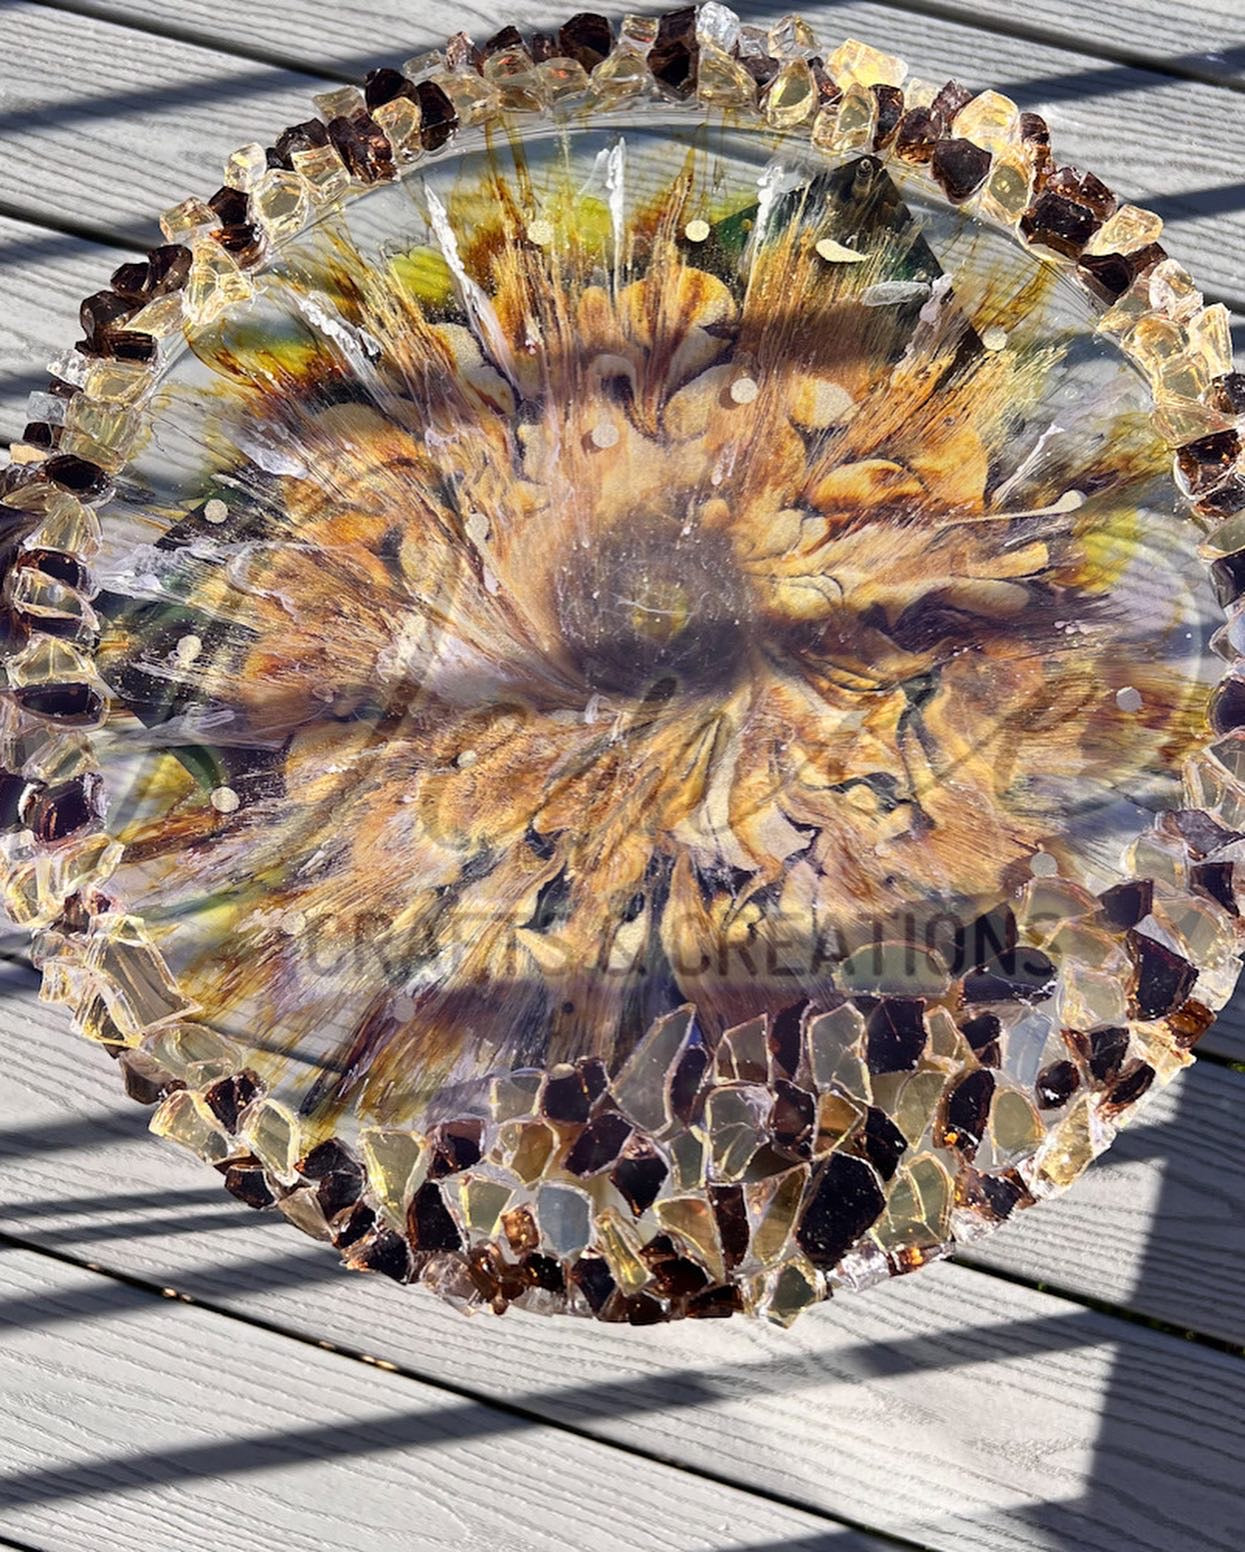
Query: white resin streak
[954, 1409]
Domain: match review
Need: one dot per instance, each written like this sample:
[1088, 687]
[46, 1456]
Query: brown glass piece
[1132, 1083]
[244, 244]
[55, 563]
[1164, 978]
[1054, 221]
[895, 1034]
[146, 1082]
[1124, 905]
[587, 38]
[457, 1145]
[125, 345]
[685, 1085]
[599, 1144]
[328, 1158]
[520, 1230]
[98, 313]
[1107, 1050]
[14, 632]
[732, 1219]
[965, 1112]
[639, 1176]
[228, 1097]
[641, 1309]
[1227, 705]
[999, 1194]
[785, 1038]
[1228, 393]
[882, 1143]
[566, 1097]
[791, 1120]
[674, 1276]
[1084, 188]
[15, 525]
[357, 1221]
[61, 810]
[1022, 974]
[69, 703]
[761, 67]
[508, 37]
[542, 1271]
[1034, 129]
[890, 111]
[591, 1274]
[463, 54]
[1226, 500]
[1198, 830]
[338, 1190]
[363, 147]
[827, 88]
[13, 790]
[1109, 275]
[1215, 879]
[948, 103]
[388, 1253]
[960, 168]
[77, 475]
[1209, 460]
[1056, 1084]
[1189, 1023]
[428, 1220]
[386, 85]
[307, 136]
[715, 1303]
[130, 279]
[230, 205]
[916, 135]
[438, 118]
[845, 1202]
[246, 1180]
[674, 57]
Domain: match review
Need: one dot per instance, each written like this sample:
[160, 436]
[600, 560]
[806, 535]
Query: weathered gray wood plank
[1206, 38]
[107, 127]
[150, 1423]
[1158, 1225]
[950, 1408]
[109, 124]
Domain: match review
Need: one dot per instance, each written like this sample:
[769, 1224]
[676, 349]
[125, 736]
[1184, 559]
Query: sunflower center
[655, 600]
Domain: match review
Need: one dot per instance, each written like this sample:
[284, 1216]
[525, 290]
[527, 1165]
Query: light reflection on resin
[650, 666]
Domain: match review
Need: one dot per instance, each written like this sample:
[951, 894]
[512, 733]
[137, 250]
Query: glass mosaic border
[410, 1206]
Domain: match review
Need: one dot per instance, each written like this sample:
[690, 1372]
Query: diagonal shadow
[1111, 80]
[466, 1418]
[1186, 1505]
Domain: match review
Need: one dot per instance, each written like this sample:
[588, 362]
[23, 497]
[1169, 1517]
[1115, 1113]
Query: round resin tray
[611, 695]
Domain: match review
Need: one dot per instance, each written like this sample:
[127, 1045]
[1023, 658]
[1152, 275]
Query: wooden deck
[179, 1373]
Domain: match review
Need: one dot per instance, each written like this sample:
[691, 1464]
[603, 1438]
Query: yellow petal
[869, 483]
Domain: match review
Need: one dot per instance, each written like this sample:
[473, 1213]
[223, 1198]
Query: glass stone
[593, 645]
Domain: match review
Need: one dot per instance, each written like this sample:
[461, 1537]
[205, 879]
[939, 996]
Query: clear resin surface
[651, 674]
